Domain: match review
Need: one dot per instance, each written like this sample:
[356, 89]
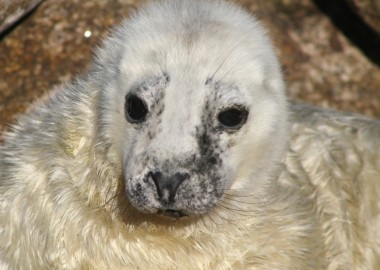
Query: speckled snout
[174, 188]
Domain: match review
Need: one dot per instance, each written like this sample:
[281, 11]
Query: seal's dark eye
[135, 109]
[233, 118]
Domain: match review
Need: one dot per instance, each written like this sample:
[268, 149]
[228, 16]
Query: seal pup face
[178, 162]
[193, 105]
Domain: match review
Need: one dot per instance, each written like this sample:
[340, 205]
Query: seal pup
[173, 152]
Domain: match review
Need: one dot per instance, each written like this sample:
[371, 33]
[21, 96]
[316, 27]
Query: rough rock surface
[369, 10]
[13, 10]
[320, 64]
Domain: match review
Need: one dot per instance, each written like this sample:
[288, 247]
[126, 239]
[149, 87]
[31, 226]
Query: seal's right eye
[233, 118]
[135, 109]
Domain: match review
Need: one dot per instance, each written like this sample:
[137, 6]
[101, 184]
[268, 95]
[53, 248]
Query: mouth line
[172, 213]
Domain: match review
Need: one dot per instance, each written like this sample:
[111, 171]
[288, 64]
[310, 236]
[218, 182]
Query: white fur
[66, 166]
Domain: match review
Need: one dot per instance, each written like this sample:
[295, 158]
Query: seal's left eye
[135, 109]
[233, 118]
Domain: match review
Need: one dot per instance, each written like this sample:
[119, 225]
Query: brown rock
[369, 10]
[321, 65]
[13, 10]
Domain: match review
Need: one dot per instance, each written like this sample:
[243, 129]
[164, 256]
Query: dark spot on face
[138, 193]
[145, 179]
[213, 160]
[160, 110]
[167, 77]
[150, 134]
[210, 163]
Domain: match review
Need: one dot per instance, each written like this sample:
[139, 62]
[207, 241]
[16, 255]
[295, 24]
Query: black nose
[167, 186]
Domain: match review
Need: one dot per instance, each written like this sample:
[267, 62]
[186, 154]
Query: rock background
[369, 10]
[11, 11]
[55, 43]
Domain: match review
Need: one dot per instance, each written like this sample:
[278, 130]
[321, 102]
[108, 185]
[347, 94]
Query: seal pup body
[173, 152]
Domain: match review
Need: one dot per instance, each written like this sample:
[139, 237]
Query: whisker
[224, 60]
[240, 193]
[231, 216]
[235, 199]
[232, 207]
[241, 212]
[230, 69]
[246, 199]
[223, 218]
[203, 221]
[211, 214]
[109, 198]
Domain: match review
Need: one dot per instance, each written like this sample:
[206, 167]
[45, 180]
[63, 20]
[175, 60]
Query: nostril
[167, 186]
[157, 179]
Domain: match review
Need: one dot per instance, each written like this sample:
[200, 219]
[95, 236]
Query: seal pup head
[193, 105]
